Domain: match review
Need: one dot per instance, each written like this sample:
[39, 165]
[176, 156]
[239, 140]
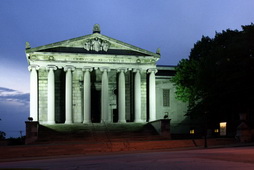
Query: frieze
[97, 45]
[51, 58]
[33, 57]
[68, 58]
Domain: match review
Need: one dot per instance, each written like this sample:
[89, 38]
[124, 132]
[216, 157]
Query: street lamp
[205, 143]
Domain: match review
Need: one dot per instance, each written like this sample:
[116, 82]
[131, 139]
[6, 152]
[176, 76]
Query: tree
[217, 77]
[2, 135]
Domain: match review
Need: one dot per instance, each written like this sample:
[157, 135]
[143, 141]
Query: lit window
[192, 131]
[223, 128]
[166, 97]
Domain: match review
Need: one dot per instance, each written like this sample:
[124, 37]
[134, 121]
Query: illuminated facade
[95, 78]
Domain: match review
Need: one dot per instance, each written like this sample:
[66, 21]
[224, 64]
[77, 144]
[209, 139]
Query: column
[51, 94]
[68, 94]
[152, 95]
[137, 96]
[33, 92]
[104, 94]
[121, 96]
[87, 95]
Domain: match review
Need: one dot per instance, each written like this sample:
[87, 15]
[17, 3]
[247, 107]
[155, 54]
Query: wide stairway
[82, 139]
[97, 133]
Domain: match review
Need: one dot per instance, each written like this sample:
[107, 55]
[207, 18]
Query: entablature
[91, 58]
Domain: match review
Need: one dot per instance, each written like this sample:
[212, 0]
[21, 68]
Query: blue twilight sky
[172, 25]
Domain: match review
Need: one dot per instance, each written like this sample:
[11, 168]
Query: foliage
[16, 141]
[217, 77]
[2, 135]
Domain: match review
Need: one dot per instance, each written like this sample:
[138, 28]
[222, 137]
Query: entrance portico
[86, 76]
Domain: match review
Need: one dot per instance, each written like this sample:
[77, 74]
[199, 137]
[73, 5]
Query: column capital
[136, 70]
[150, 70]
[102, 69]
[53, 67]
[69, 67]
[122, 69]
[87, 69]
[33, 66]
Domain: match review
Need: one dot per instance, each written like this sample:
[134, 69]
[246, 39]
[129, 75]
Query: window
[166, 97]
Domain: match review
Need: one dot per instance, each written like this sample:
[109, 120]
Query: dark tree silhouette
[217, 76]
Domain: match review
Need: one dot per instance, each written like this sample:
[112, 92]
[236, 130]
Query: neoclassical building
[96, 78]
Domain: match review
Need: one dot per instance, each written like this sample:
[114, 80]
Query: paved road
[208, 159]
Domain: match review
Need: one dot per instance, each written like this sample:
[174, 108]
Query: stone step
[97, 132]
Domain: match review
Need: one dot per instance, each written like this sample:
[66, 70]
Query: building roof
[95, 43]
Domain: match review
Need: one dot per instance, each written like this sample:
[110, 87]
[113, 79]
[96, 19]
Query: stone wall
[60, 96]
[77, 95]
[128, 96]
[176, 110]
[112, 76]
[43, 95]
[143, 96]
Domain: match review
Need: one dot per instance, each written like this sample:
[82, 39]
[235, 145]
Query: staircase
[82, 139]
[97, 133]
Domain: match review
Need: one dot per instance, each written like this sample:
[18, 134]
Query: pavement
[233, 158]
[62, 148]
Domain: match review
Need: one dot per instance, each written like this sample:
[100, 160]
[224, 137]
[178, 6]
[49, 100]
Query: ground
[232, 158]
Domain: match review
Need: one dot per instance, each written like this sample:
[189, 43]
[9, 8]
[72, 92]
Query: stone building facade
[95, 78]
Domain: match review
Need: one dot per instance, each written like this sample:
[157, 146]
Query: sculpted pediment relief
[93, 44]
[96, 44]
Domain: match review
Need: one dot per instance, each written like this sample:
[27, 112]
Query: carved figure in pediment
[87, 46]
[105, 46]
[96, 44]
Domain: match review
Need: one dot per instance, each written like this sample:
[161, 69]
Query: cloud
[14, 110]
[11, 96]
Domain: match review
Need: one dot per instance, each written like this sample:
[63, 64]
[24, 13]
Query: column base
[121, 121]
[87, 121]
[68, 122]
[51, 122]
[150, 120]
[138, 121]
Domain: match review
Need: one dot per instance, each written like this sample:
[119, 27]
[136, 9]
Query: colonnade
[87, 94]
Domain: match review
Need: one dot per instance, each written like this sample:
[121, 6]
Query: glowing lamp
[192, 131]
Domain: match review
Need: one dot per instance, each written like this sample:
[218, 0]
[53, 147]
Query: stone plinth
[31, 131]
[162, 126]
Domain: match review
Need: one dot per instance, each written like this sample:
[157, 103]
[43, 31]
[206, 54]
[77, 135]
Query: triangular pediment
[93, 44]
